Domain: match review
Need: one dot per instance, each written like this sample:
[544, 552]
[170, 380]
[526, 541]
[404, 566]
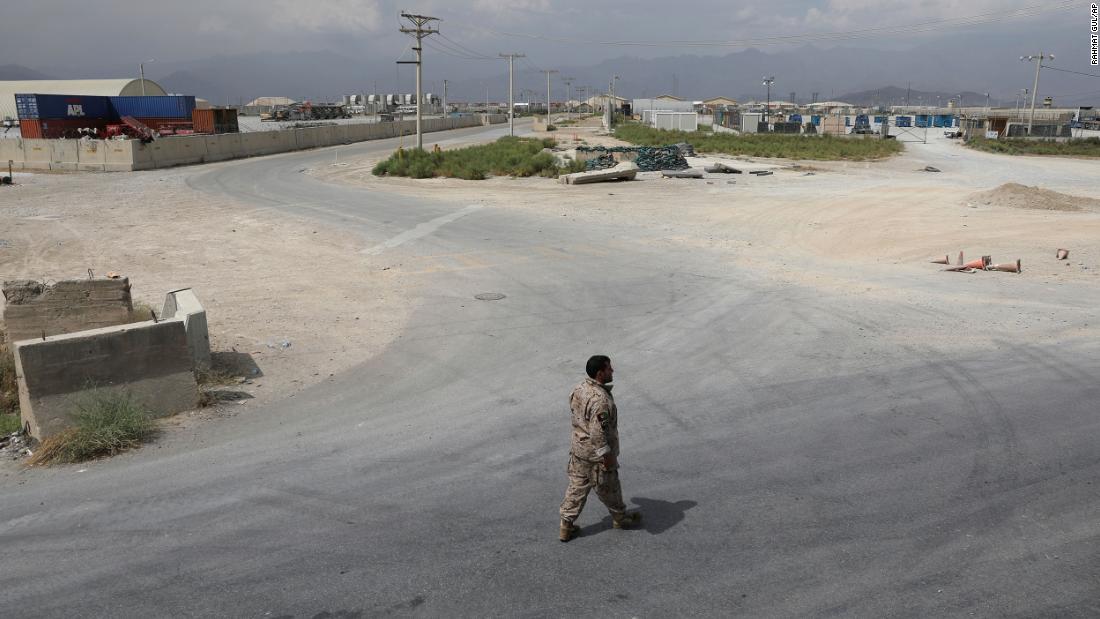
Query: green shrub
[1088, 147]
[106, 423]
[819, 147]
[508, 156]
[9, 424]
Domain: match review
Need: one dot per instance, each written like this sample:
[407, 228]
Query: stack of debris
[648, 158]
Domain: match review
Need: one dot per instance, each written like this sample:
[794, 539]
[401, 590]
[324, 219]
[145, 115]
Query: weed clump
[508, 156]
[106, 423]
[9, 387]
[819, 147]
[1088, 147]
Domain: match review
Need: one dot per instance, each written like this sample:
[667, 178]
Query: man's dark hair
[595, 364]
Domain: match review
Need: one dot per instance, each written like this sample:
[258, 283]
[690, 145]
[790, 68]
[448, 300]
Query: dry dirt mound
[1015, 195]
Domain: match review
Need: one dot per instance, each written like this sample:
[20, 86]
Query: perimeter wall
[128, 155]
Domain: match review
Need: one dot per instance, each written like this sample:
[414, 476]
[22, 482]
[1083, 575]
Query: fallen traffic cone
[960, 269]
[978, 263]
[944, 260]
[1008, 267]
[959, 263]
[1062, 254]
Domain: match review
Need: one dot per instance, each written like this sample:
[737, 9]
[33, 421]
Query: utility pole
[1038, 60]
[445, 112]
[511, 98]
[419, 22]
[569, 94]
[611, 101]
[548, 72]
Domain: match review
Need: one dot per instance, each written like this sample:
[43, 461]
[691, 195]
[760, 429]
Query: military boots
[626, 520]
[568, 531]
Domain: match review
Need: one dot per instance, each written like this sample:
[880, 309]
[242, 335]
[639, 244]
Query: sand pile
[1015, 195]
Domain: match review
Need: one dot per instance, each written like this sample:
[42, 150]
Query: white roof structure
[261, 101]
[831, 104]
[103, 88]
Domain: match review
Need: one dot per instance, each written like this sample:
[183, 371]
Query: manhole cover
[489, 296]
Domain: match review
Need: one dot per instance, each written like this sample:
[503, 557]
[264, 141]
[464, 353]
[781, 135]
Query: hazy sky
[975, 41]
[56, 33]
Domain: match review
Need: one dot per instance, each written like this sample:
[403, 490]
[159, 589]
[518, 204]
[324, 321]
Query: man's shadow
[657, 516]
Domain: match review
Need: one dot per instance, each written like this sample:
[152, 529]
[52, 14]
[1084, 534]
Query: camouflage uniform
[595, 434]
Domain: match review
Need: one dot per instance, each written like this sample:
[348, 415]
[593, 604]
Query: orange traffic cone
[1062, 254]
[979, 263]
[1008, 267]
[944, 260]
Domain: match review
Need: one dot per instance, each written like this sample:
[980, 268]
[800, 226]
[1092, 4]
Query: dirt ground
[276, 286]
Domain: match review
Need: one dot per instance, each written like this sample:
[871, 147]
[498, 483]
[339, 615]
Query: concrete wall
[184, 306]
[127, 155]
[150, 360]
[32, 308]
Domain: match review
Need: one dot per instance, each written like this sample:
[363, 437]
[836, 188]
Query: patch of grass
[107, 422]
[9, 387]
[1088, 147]
[142, 312]
[508, 156]
[817, 147]
[9, 424]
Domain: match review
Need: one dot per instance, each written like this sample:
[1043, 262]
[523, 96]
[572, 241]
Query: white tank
[408, 99]
[372, 98]
[429, 99]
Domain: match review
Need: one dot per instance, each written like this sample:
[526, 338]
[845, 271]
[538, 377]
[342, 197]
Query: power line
[926, 26]
[1047, 66]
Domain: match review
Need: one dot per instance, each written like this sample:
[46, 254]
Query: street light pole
[548, 72]
[768, 81]
[1038, 60]
[141, 69]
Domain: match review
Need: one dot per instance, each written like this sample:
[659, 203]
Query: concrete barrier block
[64, 155]
[184, 306]
[119, 155]
[32, 308]
[11, 149]
[36, 154]
[91, 155]
[150, 360]
[627, 171]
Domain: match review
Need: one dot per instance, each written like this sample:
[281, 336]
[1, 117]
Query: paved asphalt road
[791, 458]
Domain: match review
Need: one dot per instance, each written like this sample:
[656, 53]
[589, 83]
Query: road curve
[791, 457]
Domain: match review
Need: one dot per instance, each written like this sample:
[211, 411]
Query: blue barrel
[61, 107]
[815, 120]
[166, 106]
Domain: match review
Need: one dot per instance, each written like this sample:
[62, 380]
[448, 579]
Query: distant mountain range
[859, 76]
[14, 72]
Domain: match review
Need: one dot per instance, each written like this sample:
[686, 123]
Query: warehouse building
[103, 88]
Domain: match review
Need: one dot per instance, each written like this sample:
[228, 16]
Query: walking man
[594, 451]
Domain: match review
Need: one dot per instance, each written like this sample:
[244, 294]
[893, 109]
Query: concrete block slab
[150, 360]
[626, 170]
[184, 306]
[33, 308]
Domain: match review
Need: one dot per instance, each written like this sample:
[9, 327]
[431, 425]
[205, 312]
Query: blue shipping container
[60, 107]
[815, 119]
[904, 121]
[879, 120]
[169, 106]
[795, 118]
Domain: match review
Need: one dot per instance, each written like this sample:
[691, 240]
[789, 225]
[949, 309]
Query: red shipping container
[215, 120]
[30, 129]
[58, 128]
